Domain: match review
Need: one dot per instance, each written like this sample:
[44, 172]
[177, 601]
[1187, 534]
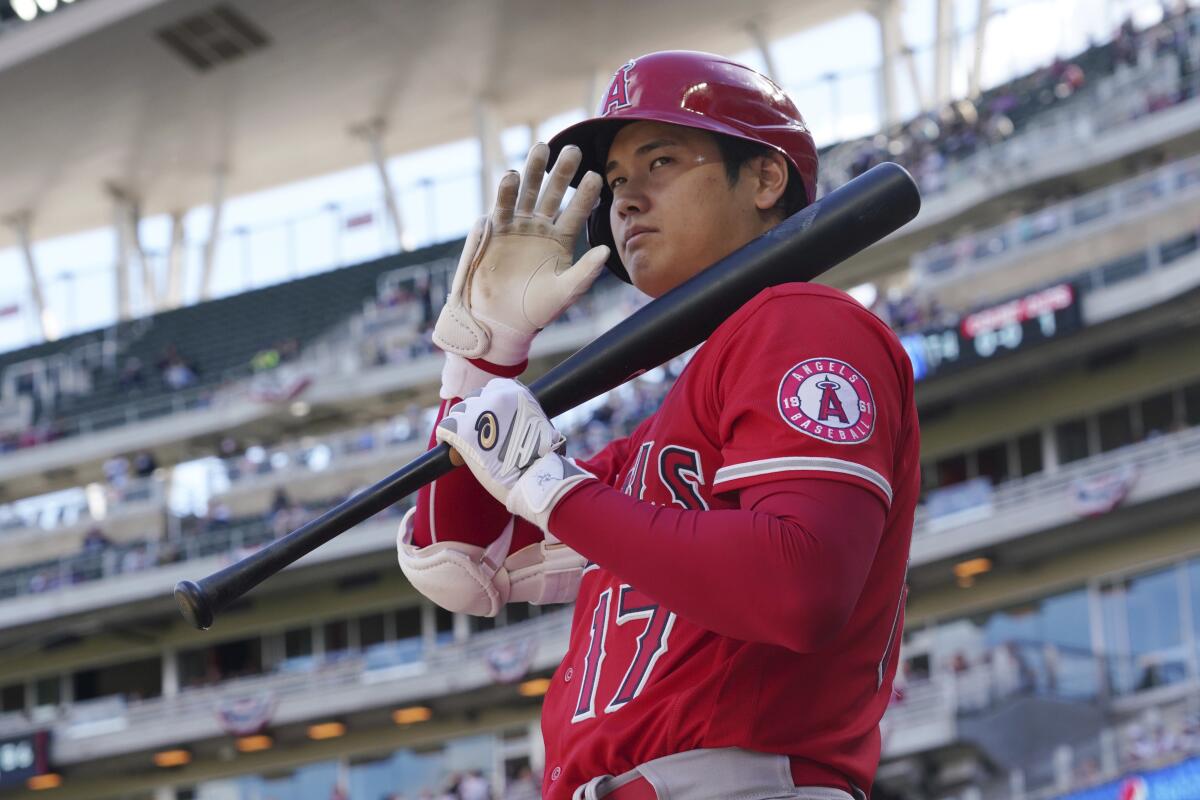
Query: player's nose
[628, 202]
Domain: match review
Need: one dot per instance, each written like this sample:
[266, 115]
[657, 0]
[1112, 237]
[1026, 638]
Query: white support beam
[21, 223]
[887, 15]
[914, 77]
[173, 295]
[133, 219]
[763, 45]
[491, 152]
[985, 11]
[129, 250]
[372, 133]
[943, 53]
[121, 267]
[214, 233]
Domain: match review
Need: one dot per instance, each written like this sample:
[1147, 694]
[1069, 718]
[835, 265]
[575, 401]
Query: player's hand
[515, 274]
[508, 443]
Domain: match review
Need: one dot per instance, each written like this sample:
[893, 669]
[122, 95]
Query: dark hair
[736, 152]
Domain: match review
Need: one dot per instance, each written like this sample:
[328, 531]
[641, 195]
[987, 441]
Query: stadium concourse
[1048, 295]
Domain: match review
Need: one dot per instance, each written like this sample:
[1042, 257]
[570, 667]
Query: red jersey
[801, 382]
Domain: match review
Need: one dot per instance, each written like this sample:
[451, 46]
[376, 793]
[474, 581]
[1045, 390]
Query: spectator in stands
[218, 517]
[176, 372]
[523, 786]
[116, 472]
[144, 464]
[136, 558]
[474, 787]
[280, 501]
[132, 376]
[94, 541]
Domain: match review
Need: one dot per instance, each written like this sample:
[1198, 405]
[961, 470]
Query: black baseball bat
[800, 248]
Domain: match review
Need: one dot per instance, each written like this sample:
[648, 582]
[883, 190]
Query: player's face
[674, 212]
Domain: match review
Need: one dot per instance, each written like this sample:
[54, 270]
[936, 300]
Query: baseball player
[737, 563]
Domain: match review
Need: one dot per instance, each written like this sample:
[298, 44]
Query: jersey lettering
[651, 642]
[680, 471]
[637, 473]
[593, 661]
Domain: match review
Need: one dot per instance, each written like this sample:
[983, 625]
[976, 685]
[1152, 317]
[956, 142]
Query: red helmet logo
[618, 92]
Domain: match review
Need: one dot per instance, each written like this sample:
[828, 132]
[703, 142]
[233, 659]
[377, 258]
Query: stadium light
[326, 730]
[172, 758]
[966, 571]
[25, 9]
[49, 780]
[407, 716]
[253, 744]
[534, 688]
[47, 5]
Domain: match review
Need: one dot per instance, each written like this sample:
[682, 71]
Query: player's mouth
[637, 233]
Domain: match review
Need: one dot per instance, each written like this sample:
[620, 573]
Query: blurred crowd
[521, 784]
[397, 323]
[927, 144]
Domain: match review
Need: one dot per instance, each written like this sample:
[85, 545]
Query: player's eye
[661, 161]
[614, 183]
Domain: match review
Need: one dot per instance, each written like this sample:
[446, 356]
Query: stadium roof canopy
[111, 93]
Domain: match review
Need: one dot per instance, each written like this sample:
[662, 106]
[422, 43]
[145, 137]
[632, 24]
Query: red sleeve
[800, 548]
[818, 391]
[456, 508]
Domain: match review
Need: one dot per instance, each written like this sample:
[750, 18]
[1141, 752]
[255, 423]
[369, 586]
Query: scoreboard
[995, 331]
[23, 757]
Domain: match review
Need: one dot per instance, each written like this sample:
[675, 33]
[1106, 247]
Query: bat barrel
[199, 601]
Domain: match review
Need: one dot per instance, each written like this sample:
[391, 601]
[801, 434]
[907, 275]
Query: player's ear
[771, 177]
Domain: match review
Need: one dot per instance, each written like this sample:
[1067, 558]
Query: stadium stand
[1051, 643]
[197, 347]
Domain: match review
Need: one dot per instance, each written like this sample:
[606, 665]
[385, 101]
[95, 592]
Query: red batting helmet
[697, 90]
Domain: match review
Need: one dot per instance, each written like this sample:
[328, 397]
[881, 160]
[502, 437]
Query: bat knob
[194, 605]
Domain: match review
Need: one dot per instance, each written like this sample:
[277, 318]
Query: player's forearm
[455, 506]
[745, 573]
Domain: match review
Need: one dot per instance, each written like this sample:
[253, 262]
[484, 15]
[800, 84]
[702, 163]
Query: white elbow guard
[544, 572]
[474, 580]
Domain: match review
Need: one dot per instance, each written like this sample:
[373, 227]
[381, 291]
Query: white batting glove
[541, 486]
[508, 444]
[515, 274]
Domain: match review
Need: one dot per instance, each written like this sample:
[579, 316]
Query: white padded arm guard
[457, 576]
[473, 580]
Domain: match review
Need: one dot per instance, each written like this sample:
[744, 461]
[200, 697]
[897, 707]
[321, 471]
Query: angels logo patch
[829, 400]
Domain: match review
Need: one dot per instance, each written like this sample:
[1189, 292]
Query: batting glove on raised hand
[515, 274]
[508, 444]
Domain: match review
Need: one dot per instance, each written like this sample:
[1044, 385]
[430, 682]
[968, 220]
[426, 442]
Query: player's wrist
[463, 376]
[507, 345]
[542, 486]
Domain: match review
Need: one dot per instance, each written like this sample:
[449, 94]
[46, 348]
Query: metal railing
[341, 671]
[234, 540]
[1173, 453]
[993, 247]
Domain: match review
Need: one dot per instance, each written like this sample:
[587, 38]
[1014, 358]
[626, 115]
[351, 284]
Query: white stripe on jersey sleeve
[767, 466]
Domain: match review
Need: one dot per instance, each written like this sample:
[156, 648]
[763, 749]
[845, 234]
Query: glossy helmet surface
[696, 90]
